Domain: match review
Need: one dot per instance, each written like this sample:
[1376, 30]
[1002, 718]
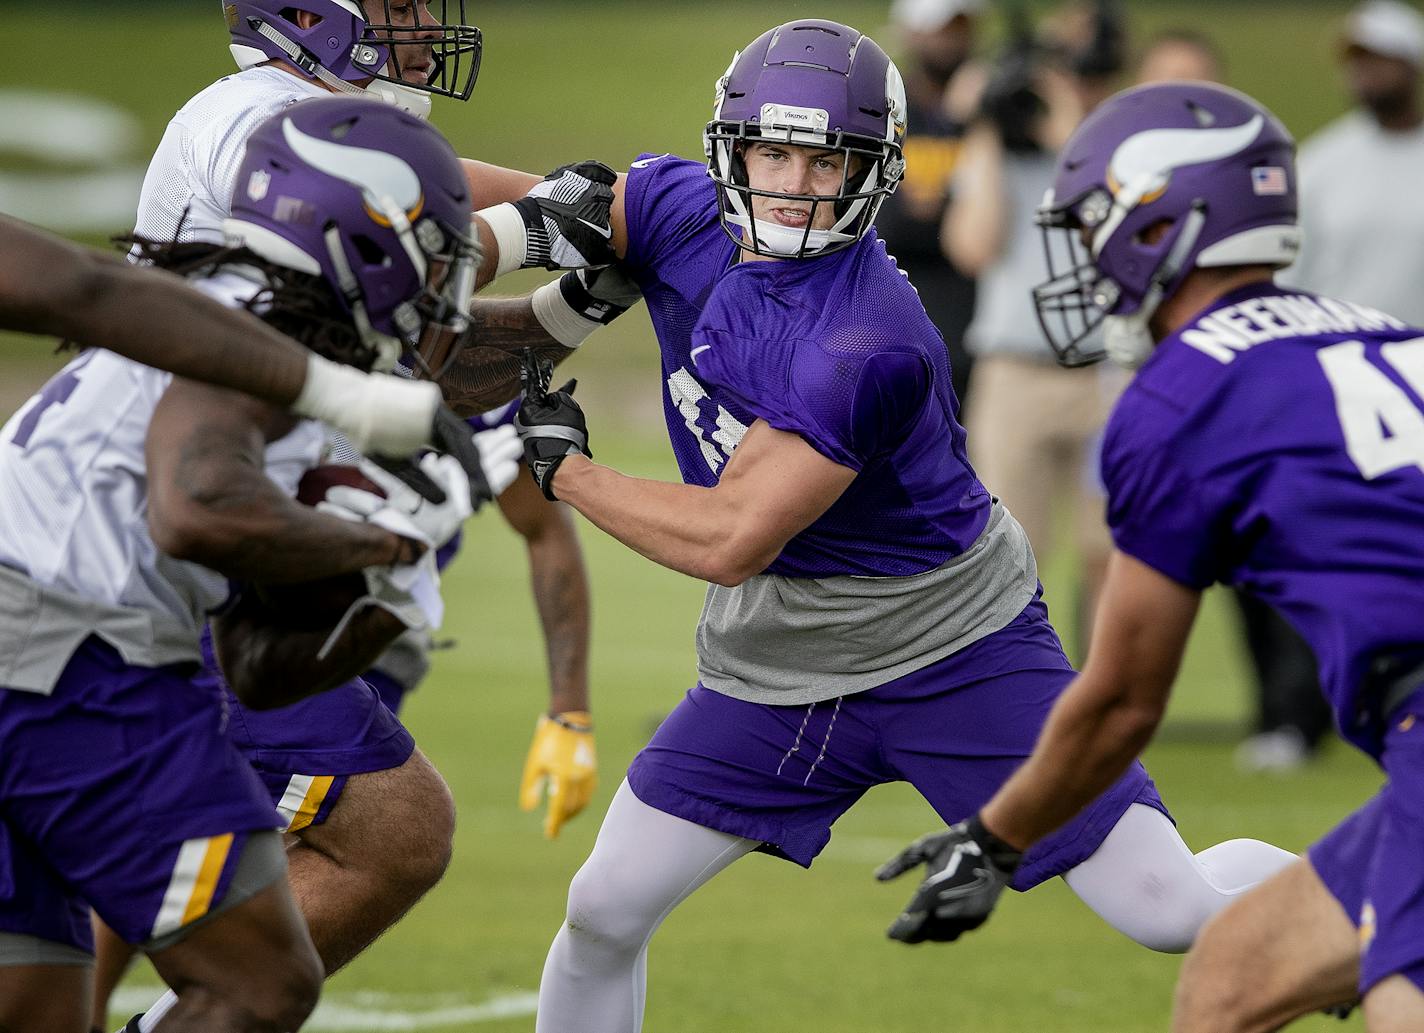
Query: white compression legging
[1143, 881]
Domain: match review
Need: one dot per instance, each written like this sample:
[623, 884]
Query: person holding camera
[1033, 425]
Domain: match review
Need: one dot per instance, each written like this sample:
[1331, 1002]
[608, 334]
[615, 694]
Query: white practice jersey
[74, 481]
[195, 166]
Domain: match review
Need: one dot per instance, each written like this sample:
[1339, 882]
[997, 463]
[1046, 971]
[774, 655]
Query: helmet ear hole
[371, 253]
[1153, 233]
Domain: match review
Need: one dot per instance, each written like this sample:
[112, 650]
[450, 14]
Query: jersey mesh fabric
[836, 349]
[194, 171]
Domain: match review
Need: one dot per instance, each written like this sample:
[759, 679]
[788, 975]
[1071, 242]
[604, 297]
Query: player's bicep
[775, 486]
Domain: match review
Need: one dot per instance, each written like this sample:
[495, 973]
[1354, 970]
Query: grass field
[766, 946]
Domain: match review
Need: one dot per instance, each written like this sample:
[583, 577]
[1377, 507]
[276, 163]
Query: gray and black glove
[968, 867]
[567, 218]
[551, 425]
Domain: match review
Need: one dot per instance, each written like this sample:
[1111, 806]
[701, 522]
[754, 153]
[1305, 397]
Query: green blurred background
[766, 946]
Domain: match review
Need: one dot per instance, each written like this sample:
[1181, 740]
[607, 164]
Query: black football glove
[601, 294]
[551, 426]
[968, 868]
[567, 218]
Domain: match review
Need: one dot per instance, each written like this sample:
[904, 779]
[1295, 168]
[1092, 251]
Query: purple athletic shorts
[304, 753]
[1373, 861]
[955, 730]
[119, 790]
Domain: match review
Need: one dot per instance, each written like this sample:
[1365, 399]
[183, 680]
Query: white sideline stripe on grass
[369, 1012]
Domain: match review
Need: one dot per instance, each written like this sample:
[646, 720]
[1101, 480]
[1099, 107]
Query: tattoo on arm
[486, 373]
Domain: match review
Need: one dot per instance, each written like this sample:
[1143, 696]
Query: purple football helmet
[374, 201]
[346, 49]
[815, 84]
[1158, 181]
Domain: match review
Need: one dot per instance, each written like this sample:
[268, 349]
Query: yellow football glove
[561, 758]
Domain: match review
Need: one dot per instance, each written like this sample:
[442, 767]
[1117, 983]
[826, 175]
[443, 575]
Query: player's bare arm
[211, 503]
[50, 286]
[560, 586]
[1108, 714]
[774, 486]
[270, 664]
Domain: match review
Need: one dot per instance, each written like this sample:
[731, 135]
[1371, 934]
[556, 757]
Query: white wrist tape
[378, 413]
[564, 324]
[507, 226]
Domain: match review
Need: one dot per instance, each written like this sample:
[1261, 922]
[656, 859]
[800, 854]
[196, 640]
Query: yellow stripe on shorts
[303, 798]
[194, 881]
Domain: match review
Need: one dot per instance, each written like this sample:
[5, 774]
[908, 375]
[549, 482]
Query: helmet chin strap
[785, 241]
[414, 102]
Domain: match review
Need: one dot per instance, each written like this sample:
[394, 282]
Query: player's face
[792, 169]
[415, 59]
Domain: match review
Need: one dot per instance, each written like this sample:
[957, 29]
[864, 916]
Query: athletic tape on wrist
[510, 236]
[559, 318]
[378, 413]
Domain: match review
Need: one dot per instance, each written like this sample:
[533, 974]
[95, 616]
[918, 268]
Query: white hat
[1387, 27]
[928, 15]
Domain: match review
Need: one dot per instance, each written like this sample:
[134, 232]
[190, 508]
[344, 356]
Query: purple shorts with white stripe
[955, 730]
[119, 790]
[304, 753]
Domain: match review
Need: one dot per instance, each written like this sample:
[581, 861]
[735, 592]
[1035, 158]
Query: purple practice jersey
[837, 349]
[1276, 443]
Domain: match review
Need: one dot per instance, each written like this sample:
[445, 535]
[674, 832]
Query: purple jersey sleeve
[850, 409]
[1160, 513]
[665, 203]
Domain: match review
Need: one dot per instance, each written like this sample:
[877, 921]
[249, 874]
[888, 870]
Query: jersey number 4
[1383, 426]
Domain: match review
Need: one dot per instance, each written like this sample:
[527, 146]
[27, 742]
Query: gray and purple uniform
[899, 637]
[119, 788]
[1276, 443]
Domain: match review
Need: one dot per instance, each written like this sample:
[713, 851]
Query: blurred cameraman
[937, 41]
[1033, 425]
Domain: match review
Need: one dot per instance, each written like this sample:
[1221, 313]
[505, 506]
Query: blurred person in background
[1180, 53]
[1361, 248]
[938, 38]
[1033, 425]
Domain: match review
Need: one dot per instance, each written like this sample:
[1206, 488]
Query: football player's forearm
[271, 665]
[1092, 736]
[693, 530]
[560, 585]
[214, 507]
[486, 372]
[49, 286]
[188, 334]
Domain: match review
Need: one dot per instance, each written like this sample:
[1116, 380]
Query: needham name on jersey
[1240, 327]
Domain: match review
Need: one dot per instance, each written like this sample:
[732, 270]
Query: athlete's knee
[605, 910]
[422, 854]
[1215, 990]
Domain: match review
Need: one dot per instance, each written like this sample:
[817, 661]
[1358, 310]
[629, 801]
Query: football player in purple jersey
[1272, 440]
[873, 614]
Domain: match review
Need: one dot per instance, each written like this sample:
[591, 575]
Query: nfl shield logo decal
[258, 185]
